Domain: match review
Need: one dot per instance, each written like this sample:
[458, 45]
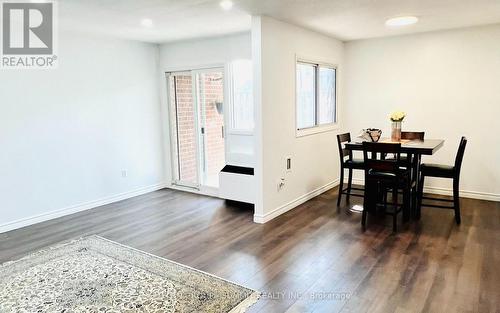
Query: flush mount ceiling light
[226, 5]
[401, 21]
[147, 22]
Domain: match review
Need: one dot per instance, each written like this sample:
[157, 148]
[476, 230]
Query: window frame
[317, 128]
[230, 110]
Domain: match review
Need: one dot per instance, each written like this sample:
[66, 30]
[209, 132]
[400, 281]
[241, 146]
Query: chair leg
[456, 200]
[413, 201]
[420, 194]
[385, 199]
[363, 215]
[366, 203]
[394, 204]
[341, 185]
[349, 185]
[406, 204]
[363, 219]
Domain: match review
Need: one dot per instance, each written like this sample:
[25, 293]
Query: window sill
[316, 130]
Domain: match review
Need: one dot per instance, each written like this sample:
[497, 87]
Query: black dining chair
[411, 136]
[383, 175]
[347, 162]
[415, 160]
[443, 171]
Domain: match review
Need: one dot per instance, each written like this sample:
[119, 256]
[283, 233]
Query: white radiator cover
[237, 187]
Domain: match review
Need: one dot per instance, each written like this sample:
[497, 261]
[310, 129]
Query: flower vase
[396, 131]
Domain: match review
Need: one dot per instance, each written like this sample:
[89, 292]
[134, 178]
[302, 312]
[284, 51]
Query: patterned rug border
[240, 308]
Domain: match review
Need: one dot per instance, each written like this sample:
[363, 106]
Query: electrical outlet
[288, 164]
[281, 184]
[124, 173]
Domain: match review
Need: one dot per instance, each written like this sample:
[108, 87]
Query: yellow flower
[397, 116]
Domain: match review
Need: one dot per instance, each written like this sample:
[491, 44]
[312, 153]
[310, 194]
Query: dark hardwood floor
[311, 259]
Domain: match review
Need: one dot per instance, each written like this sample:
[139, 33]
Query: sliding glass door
[197, 126]
[210, 96]
[184, 139]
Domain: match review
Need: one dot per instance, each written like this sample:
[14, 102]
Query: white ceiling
[343, 19]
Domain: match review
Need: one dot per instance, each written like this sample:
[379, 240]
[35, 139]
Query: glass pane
[327, 100]
[182, 101]
[306, 95]
[211, 96]
[242, 118]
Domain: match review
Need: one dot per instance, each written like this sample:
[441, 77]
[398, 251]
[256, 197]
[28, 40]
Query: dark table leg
[416, 179]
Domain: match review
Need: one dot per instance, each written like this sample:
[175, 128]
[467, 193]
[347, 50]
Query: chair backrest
[413, 135]
[341, 139]
[371, 151]
[460, 155]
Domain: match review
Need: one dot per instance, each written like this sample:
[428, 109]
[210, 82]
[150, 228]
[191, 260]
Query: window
[242, 118]
[316, 95]
[306, 95]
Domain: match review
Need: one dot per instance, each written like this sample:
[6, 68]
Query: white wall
[66, 134]
[185, 55]
[315, 163]
[193, 54]
[447, 82]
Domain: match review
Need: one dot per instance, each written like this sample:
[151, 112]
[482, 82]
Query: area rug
[94, 274]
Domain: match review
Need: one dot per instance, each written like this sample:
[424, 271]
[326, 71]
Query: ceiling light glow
[147, 22]
[401, 21]
[226, 5]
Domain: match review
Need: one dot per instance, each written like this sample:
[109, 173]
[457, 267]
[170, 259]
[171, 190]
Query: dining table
[414, 149]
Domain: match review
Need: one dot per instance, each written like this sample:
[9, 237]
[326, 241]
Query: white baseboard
[463, 193]
[449, 192]
[261, 219]
[78, 208]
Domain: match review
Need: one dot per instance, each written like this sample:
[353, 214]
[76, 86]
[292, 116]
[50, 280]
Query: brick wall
[213, 90]
[185, 128]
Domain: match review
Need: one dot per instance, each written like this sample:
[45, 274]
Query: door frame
[172, 118]
[168, 72]
[203, 166]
